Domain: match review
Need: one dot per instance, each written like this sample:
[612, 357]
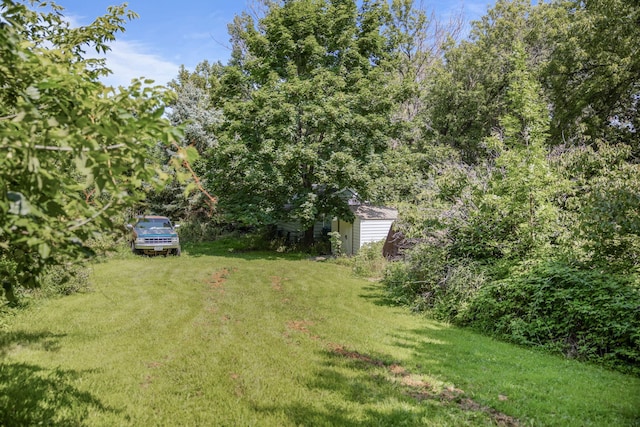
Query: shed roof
[374, 212]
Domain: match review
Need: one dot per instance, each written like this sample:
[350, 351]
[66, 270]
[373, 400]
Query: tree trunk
[8, 293]
[308, 238]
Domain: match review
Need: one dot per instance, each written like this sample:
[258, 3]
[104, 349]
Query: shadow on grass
[231, 249]
[378, 296]
[44, 340]
[33, 395]
[358, 389]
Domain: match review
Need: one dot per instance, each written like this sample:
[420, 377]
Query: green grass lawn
[223, 338]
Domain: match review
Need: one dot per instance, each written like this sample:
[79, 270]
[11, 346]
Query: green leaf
[44, 250]
[192, 154]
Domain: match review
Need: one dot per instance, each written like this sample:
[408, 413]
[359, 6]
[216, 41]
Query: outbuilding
[371, 224]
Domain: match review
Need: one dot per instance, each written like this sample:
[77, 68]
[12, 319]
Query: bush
[65, 280]
[413, 282]
[106, 245]
[399, 284]
[586, 314]
[429, 281]
[195, 231]
[369, 261]
[336, 243]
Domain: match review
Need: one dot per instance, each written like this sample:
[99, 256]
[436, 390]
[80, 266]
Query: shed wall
[374, 230]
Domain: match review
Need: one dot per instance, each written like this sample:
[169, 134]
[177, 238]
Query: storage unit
[371, 224]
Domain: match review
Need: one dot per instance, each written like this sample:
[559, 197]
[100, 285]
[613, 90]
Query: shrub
[399, 284]
[8, 272]
[336, 243]
[586, 314]
[106, 245]
[455, 291]
[429, 281]
[65, 280]
[195, 231]
[413, 281]
[369, 261]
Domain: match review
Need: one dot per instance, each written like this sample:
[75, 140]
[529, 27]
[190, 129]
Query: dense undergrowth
[549, 266]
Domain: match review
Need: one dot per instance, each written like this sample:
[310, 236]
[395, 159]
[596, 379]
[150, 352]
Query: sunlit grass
[220, 337]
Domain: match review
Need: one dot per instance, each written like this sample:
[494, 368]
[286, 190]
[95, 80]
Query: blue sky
[170, 33]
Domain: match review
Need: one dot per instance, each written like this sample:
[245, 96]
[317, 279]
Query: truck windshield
[154, 223]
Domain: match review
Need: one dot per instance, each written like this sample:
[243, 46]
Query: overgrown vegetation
[533, 237]
[589, 314]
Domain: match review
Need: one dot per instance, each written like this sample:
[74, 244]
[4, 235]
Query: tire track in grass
[412, 384]
[217, 289]
[214, 291]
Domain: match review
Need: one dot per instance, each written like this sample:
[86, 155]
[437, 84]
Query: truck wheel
[134, 250]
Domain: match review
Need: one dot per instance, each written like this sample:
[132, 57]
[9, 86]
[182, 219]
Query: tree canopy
[307, 103]
[73, 152]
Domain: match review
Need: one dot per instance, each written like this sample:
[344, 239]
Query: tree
[307, 105]
[420, 40]
[195, 111]
[594, 75]
[73, 153]
[516, 216]
[469, 93]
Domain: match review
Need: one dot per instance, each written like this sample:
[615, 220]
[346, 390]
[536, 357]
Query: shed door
[346, 235]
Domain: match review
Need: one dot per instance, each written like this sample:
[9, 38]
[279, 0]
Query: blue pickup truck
[154, 235]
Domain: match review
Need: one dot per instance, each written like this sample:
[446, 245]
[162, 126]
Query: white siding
[374, 230]
[371, 224]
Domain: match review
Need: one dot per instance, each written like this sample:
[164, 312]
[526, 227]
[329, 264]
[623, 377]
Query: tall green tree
[308, 105]
[594, 75]
[469, 93]
[516, 215]
[73, 153]
[194, 110]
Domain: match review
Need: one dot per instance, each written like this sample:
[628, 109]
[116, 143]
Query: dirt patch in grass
[216, 282]
[276, 283]
[300, 326]
[215, 290]
[415, 387]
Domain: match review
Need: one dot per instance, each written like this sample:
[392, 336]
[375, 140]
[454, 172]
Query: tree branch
[94, 216]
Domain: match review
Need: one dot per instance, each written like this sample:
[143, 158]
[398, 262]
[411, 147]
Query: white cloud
[128, 60]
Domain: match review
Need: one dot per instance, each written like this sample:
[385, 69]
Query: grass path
[215, 338]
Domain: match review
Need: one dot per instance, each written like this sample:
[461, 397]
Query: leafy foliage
[515, 214]
[74, 152]
[530, 233]
[307, 106]
[594, 72]
[591, 315]
[469, 93]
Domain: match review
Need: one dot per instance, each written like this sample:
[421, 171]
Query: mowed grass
[220, 338]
